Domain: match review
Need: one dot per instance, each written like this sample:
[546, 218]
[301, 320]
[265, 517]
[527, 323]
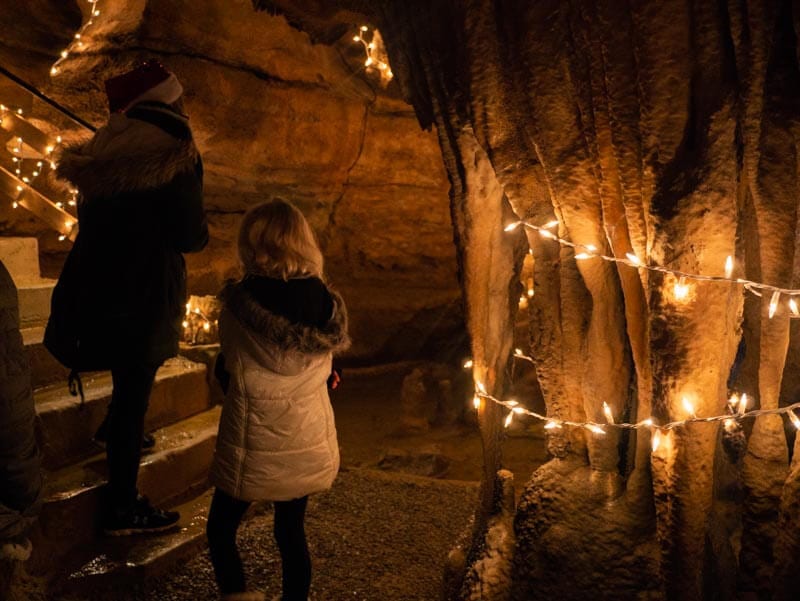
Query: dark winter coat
[277, 437]
[20, 476]
[122, 292]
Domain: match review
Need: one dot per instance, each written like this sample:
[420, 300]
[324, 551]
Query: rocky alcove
[604, 193]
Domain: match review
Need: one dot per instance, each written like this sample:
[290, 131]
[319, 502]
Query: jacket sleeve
[186, 223]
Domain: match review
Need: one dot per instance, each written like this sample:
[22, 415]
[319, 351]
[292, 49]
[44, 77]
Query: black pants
[129, 399]
[223, 520]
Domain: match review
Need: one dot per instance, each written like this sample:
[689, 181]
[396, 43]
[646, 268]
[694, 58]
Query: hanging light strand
[649, 424]
[372, 60]
[737, 407]
[77, 40]
[589, 251]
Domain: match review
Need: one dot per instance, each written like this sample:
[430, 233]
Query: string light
[737, 406]
[681, 290]
[656, 440]
[729, 267]
[589, 251]
[742, 405]
[373, 47]
[77, 40]
[773, 303]
[551, 423]
[194, 321]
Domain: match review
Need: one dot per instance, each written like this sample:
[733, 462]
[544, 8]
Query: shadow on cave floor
[378, 534]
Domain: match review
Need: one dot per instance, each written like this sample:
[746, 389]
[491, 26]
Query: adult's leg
[129, 399]
[290, 534]
[223, 521]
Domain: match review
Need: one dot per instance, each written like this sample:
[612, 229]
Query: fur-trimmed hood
[126, 155]
[279, 332]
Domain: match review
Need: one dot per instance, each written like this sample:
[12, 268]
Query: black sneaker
[140, 519]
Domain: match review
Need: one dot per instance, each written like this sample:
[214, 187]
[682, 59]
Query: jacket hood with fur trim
[125, 155]
[280, 332]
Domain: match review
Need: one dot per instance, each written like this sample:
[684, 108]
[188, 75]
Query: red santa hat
[150, 81]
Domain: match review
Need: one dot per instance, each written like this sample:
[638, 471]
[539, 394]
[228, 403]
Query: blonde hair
[276, 240]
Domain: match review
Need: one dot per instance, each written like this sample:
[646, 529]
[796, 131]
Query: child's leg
[290, 534]
[223, 520]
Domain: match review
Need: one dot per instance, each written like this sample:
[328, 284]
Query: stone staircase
[70, 551]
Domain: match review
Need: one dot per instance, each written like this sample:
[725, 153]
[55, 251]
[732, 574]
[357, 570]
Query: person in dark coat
[20, 474]
[119, 302]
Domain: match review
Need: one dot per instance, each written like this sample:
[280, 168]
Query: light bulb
[656, 440]
[633, 259]
[681, 290]
[729, 267]
[773, 303]
[742, 408]
[607, 412]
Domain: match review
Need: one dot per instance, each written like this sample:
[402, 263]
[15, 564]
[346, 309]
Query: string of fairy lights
[78, 42]
[737, 406]
[371, 40]
[27, 178]
[681, 287]
[194, 321]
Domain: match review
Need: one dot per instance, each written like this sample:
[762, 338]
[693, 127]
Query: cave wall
[276, 113]
[663, 129]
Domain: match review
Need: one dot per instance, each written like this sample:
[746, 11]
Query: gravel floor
[374, 536]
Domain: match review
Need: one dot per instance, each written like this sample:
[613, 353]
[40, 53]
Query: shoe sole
[133, 531]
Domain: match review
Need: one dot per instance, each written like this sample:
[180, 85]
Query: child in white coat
[279, 327]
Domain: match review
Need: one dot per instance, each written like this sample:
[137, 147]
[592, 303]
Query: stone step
[65, 428]
[174, 472]
[34, 301]
[20, 257]
[45, 369]
[128, 562]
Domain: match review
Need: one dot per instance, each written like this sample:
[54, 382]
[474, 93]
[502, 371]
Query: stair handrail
[44, 98]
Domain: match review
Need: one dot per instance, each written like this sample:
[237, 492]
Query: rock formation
[275, 114]
[666, 130]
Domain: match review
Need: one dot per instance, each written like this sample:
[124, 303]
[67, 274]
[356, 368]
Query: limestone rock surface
[275, 114]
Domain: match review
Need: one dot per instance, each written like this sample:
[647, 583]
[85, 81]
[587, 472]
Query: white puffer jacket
[277, 438]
